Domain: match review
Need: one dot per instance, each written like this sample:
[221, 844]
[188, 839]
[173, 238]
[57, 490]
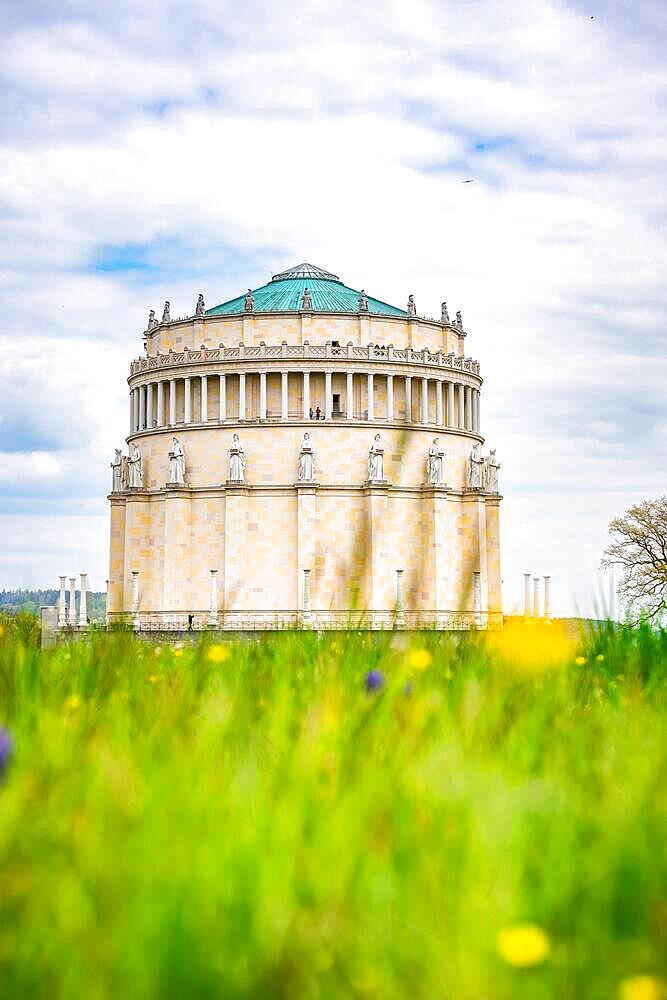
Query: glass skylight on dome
[306, 271]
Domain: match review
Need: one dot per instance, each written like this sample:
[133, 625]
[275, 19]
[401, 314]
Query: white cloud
[345, 141]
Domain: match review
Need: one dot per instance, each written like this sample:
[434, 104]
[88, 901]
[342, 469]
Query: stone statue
[459, 320]
[475, 467]
[435, 464]
[376, 461]
[306, 300]
[412, 308]
[249, 304]
[176, 464]
[117, 472]
[236, 461]
[444, 313]
[135, 469]
[491, 466]
[200, 307]
[166, 314]
[151, 320]
[363, 302]
[306, 459]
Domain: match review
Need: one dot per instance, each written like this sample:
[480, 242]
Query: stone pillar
[439, 418]
[451, 422]
[223, 398]
[83, 607]
[467, 408]
[408, 398]
[328, 398]
[462, 421]
[284, 396]
[135, 599]
[536, 596]
[527, 606]
[262, 395]
[106, 603]
[424, 401]
[400, 616]
[213, 601]
[203, 412]
[172, 402]
[477, 420]
[371, 406]
[131, 411]
[142, 407]
[349, 398]
[547, 597]
[149, 405]
[477, 598]
[71, 614]
[62, 603]
[307, 606]
[306, 395]
[160, 404]
[242, 396]
[187, 396]
[390, 399]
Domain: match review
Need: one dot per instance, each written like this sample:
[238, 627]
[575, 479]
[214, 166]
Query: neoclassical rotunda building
[305, 455]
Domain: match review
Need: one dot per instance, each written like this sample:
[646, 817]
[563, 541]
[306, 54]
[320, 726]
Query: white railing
[263, 621]
[304, 352]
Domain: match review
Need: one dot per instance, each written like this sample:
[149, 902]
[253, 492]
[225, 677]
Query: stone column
[149, 405]
[187, 396]
[62, 603]
[306, 395]
[172, 402]
[536, 596]
[477, 420]
[160, 404]
[242, 396]
[547, 597]
[135, 599]
[223, 398]
[142, 407]
[284, 396]
[213, 601]
[467, 408]
[131, 411]
[477, 598]
[462, 415]
[71, 615]
[390, 399]
[349, 398]
[527, 606]
[328, 399]
[451, 422]
[371, 407]
[307, 607]
[424, 401]
[400, 616]
[83, 607]
[262, 395]
[203, 412]
[439, 418]
[408, 398]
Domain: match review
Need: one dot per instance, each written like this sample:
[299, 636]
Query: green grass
[172, 826]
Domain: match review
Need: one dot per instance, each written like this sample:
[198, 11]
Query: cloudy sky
[151, 148]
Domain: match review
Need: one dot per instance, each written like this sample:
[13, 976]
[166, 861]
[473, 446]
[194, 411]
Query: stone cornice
[294, 489]
[325, 425]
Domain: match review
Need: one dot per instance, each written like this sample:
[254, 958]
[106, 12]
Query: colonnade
[153, 405]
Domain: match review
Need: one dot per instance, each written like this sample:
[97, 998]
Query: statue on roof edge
[249, 304]
[200, 307]
[412, 308]
[363, 301]
[306, 300]
[166, 312]
[444, 314]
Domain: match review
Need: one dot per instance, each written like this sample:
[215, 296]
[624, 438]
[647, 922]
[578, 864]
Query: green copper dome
[285, 291]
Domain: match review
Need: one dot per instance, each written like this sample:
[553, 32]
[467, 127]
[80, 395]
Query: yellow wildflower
[218, 654]
[419, 659]
[178, 652]
[523, 945]
[153, 678]
[600, 657]
[2, 631]
[642, 988]
[73, 702]
[533, 646]
[580, 660]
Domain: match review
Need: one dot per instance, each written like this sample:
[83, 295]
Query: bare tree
[639, 547]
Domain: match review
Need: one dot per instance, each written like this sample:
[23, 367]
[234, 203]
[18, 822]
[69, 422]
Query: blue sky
[150, 150]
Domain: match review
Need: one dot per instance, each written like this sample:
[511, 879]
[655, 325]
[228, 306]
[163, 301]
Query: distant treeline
[12, 601]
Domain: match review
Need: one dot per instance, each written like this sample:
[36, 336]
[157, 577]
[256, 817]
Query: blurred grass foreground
[343, 816]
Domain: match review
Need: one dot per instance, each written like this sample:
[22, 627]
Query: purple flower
[374, 680]
[6, 750]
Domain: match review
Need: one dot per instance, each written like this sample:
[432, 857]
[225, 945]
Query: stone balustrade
[303, 352]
